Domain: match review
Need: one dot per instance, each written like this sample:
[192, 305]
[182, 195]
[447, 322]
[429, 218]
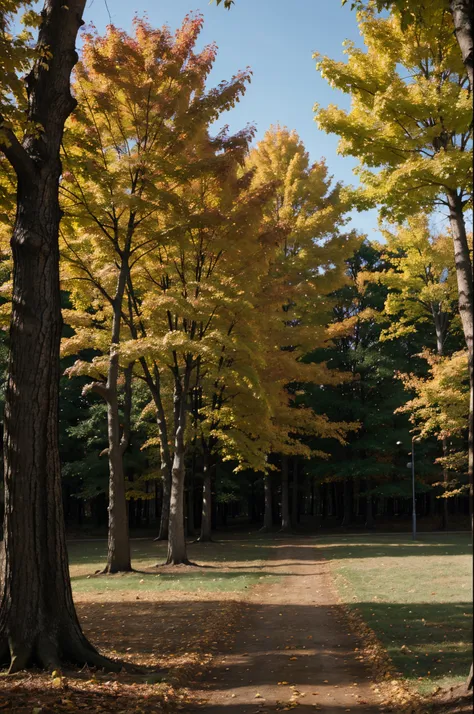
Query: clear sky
[276, 39]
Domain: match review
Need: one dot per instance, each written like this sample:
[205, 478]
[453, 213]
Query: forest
[198, 344]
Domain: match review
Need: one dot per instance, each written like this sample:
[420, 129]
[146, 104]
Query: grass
[229, 566]
[416, 596]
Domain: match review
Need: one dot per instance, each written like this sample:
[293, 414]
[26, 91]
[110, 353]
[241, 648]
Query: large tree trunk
[463, 263]
[206, 535]
[462, 12]
[268, 512]
[118, 555]
[38, 623]
[177, 553]
[285, 495]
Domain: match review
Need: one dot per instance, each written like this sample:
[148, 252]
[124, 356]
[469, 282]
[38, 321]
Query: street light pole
[413, 515]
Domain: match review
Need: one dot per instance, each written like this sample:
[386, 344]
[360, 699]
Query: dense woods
[197, 340]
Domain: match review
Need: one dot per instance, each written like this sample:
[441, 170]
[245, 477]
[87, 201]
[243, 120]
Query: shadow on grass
[412, 634]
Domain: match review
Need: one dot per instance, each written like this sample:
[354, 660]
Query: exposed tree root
[47, 653]
[114, 571]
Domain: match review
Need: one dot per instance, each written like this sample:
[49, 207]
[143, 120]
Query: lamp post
[413, 513]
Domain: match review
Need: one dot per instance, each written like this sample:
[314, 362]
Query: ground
[267, 624]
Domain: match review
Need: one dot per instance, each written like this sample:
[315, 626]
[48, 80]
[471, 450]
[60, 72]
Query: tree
[295, 304]
[421, 279]
[369, 463]
[38, 623]
[129, 153]
[413, 137]
[440, 406]
[161, 224]
[189, 294]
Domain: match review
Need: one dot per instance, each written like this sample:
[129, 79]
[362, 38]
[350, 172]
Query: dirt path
[292, 649]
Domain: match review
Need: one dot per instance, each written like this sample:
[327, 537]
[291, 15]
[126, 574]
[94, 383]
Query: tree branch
[97, 387]
[16, 154]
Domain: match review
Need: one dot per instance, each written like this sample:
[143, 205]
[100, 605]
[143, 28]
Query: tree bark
[346, 506]
[462, 12]
[206, 535]
[369, 514]
[166, 467]
[118, 553]
[463, 263]
[177, 553]
[268, 512]
[294, 495]
[38, 622]
[285, 495]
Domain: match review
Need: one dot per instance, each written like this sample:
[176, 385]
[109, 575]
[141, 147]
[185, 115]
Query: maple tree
[141, 105]
[414, 148]
[294, 302]
[441, 407]
[159, 225]
[421, 279]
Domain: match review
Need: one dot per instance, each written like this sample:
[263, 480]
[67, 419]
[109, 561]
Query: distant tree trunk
[206, 534]
[369, 515]
[118, 555]
[190, 506]
[177, 553]
[285, 495]
[294, 495]
[268, 512]
[346, 506]
[38, 622]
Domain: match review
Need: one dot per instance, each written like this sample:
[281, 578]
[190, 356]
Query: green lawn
[416, 596]
[229, 566]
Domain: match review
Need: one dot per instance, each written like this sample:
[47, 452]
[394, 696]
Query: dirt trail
[292, 649]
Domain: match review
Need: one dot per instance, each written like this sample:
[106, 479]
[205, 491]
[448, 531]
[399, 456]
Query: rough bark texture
[177, 553]
[268, 513]
[152, 378]
[462, 12]
[38, 623]
[205, 535]
[463, 263]
[118, 552]
[285, 495]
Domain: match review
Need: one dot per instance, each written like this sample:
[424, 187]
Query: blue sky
[276, 39]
